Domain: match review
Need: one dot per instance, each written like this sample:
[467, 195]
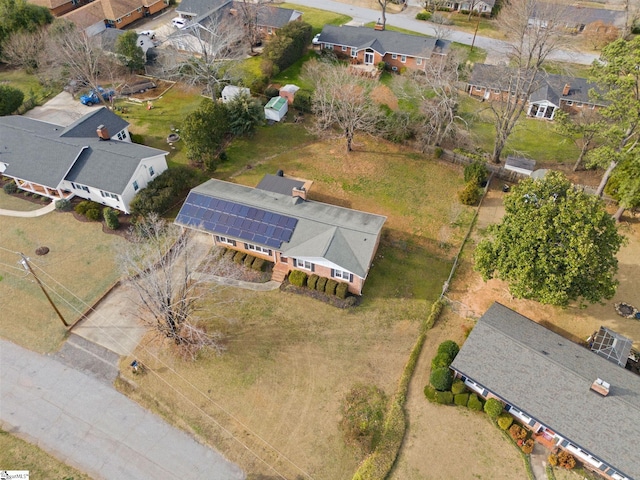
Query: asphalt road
[497, 49]
[90, 426]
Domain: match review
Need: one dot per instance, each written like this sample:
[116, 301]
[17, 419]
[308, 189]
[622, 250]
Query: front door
[368, 58]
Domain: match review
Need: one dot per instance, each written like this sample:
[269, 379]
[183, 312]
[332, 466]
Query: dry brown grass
[80, 258]
[18, 202]
[16, 454]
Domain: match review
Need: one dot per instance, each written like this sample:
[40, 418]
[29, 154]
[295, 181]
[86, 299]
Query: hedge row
[321, 284]
[378, 465]
[249, 261]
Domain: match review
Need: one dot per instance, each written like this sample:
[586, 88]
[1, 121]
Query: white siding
[142, 176]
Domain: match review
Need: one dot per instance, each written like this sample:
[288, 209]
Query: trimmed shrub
[63, 205]
[430, 393]
[248, 260]
[284, 49]
[259, 264]
[470, 194]
[527, 446]
[10, 188]
[476, 171]
[229, 254]
[444, 398]
[93, 212]
[441, 360]
[423, 16]
[517, 432]
[566, 460]
[239, 257]
[302, 101]
[297, 278]
[10, 98]
[474, 403]
[271, 92]
[437, 152]
[330, 287]
[111, 218]
[493, 407]
[342, 290]
[552, 459]
[461, 399]
[82, 207]
[449, 347]
[312, 281]
[441, 378]
[458, 386]
[504, 421]
[321, 284]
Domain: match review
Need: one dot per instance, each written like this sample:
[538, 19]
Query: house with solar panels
[277, 222]
[573, 398]
[93, 158]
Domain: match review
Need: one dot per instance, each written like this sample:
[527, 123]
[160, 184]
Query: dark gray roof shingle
[383, 41]
[277, 184]
[275, 17]
[549, 378]
[86, 126]
[200, 8]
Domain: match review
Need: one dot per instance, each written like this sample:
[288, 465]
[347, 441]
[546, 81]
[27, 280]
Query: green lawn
[533, 138]
[29, 84]
[293, 74]
[318, 18]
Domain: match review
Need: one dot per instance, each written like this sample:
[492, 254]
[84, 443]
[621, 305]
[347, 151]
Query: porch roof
[549, 378]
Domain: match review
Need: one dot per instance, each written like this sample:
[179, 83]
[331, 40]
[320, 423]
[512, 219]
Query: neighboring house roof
[549, 378]
[276, 17]
[550, 86]
[50, 4]
[47, 154]
[383, 41]
[108, 38]
[345, 237]
[87, 15]
[277, 184]
[200, 8]
[576, 15]
[115, 9]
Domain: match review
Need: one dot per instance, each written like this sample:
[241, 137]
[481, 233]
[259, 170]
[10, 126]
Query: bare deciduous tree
[342, 100]
[250, 12]
[535, 29]
[582, 128]
[204, 54]
[160, 263]
[24, 49]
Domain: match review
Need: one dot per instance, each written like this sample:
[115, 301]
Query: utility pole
[473, 42]
[25, 263]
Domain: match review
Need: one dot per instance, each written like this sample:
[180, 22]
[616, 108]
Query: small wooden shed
[289, 92]
[276, 109]
[231, 91]
[521, 165]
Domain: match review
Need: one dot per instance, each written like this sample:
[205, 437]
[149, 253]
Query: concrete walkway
[90, 426]
[29, 214]
[539, 461]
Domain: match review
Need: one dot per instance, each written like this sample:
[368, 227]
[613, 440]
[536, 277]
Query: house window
[139, 10]
[496, 90]
[354, 52]
[228, 241]
[257, 248]
[152, 172]
[403, 58]
[304, 264]
[109, 195]
[119, 20]
[344, 275]
[269, 31]
[344, 48]
[418, 61]
[592, 107]
[328, 46]
[394, 68]
[122, 135]
[77, 186]
[477, 89]
[394, 56]
[579, 105]
[569, 102]
[135, 185]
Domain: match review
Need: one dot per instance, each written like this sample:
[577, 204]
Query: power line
[194, 387]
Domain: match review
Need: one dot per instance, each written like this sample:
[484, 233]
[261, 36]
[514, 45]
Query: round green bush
[458, 386]
[248, 261]
[10, 187]
[493, 407]
[504, 421]
[342, 290]
[470, 194]
[239, 258]
[63, 205]
[312, 281]
[259, 264]
[461, 399]
[423, 16]
[111, 218]
[271, 92]
[330, 287]
[441, 360]
[474, 403]
[321, 284]
[441, 379]
[93, 213]
[476, 172]
[444, 398]
[430, 393]
[449, 347]
[229, 254]
[297, 278]
[82, 207]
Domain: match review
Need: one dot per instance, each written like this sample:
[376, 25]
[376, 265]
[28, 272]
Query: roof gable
[200, 8]
[549, 378]
[276, 17]
[87, 125]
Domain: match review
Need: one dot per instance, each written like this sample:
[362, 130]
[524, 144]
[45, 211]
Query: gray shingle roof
[549, 378]
[46, 154]
[577, 15]
[199, 8]
[345, 237]
[87, 125]
[277, 184]
[550, 86]
[274, 16]
[383, 41]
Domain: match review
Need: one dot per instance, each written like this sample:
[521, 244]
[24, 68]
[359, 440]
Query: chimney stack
[601, 387]
[299, 193]
[566, 89]
[102, 132]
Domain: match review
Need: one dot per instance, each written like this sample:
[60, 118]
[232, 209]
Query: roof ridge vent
[601, 387]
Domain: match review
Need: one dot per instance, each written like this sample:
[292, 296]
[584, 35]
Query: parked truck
[93, 97]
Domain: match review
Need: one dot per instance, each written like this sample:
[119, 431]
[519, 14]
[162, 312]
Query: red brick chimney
[566, 89]
[102, 132]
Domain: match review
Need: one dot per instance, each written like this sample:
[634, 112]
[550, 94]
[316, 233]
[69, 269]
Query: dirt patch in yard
[384, 96]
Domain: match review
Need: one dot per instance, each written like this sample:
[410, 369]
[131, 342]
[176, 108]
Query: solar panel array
[236, 220]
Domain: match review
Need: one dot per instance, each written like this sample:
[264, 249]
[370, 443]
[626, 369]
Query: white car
[179, 22]
[149, 33]
[316, 39]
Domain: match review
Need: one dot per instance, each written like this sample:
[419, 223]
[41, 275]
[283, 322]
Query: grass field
[290, 359]
[27, 83]
[16, 454]
[317, 18]
[80, 263]
[19, 203]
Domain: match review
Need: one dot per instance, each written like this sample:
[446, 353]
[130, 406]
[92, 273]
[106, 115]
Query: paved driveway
[92, 427]
[62, 109]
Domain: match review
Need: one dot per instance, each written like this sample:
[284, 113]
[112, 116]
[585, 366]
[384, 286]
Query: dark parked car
[138, 87]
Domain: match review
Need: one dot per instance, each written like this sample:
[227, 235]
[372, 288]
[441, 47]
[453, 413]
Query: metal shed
[276, 109]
